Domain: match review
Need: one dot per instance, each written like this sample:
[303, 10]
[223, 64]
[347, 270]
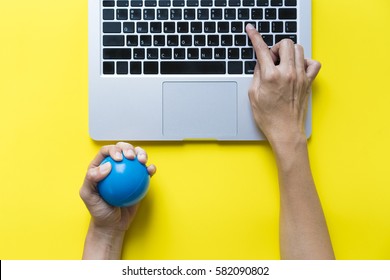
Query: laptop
[180, 70]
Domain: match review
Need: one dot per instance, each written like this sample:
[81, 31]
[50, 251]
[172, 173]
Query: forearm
[103, 244]
[303, 229]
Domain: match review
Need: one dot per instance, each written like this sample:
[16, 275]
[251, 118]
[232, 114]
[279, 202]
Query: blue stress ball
[126, 184]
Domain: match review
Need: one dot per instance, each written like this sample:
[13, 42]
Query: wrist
[290, 151]
[103, 243]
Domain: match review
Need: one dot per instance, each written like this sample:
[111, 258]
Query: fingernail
[142, 157]
[250, 26]
[118, 156]
[130, 153]
[105, 167]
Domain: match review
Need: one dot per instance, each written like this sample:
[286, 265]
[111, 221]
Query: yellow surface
[208, 200]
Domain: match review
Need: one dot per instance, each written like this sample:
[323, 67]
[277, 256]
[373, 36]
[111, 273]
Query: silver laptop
[180, 70]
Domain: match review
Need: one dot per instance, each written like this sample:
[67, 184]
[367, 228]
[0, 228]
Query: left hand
[105, 216]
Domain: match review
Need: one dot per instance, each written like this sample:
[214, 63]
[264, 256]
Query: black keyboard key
[235, 67]
[206, 53]
[253, 23]
[230, 13]
[248, 3]
[169, 27]
[150, 3]
[116, 53]
[149, 14]
[234, 3]
[213, 40]
[155, 27]
[132, 40]
[111, 27]
[193, 67]
[185, 40]
[193, 53]
[176, 14]
[220, 3]
[113, 40]
[108, 68]
[206, 3]
[152, 53]
[199, 40]
[223, 27]
[135, 14]
[250, 67]
[277, 26]
[164, 3]
[121, 14]
[182, 27]
[270, 13]
[247, 53]
[135, 68]
[264, 27]
[236, 27]
[178, 3]
[209, 27]
[150, 67]
[128, 27]
[108, 3]
[122, 68]
[233, 53]
[216, 14]
[189, 14]
[287, 13]
[243, 13]
[262, 3]
[276, 2]
[292, 37]
[291, 26]
[142, 27]
[257, 13]
[165, 53]
[139, 53]
[196, 27]
[159, 40]
[145, 40]
[136, 3]
[192, 3]
[172, 40]
[226, 40]
[108, 14]
[268, 39]
[289, 3]
[203, 14]
[240, 40]
[122, 3]
[219, 53]
[179, 53]
[162, 14]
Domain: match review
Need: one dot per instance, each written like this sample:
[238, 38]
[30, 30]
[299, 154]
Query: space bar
[190, 67]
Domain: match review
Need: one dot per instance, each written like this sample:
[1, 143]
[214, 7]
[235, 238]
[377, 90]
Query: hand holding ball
[126, 184]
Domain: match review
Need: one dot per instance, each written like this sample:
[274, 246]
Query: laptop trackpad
[199, 109]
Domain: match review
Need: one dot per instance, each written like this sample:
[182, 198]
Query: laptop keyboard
[190, 36]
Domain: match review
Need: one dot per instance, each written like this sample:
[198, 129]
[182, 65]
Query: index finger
[105, 151]
[261, 48]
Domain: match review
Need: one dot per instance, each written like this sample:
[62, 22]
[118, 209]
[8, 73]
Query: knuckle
[83, 194]
[290, 75]
[271, 75]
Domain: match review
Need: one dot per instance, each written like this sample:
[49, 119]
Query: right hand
[279, 93]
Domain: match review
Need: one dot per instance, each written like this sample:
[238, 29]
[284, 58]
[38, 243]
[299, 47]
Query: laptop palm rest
[199, 109]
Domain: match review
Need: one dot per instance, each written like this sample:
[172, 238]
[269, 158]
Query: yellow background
[208, 200]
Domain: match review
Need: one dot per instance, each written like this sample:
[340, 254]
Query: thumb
[312, 69]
